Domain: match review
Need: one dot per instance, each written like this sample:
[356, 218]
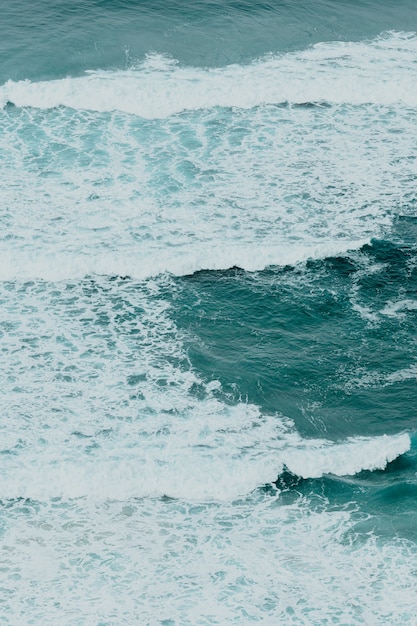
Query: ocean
[208, 312]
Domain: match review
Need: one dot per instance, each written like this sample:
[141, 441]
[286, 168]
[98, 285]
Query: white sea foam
[102, 418]
[381, 71]
[399, 308]
[408, 373]
[204, 460]
[85, 193]
[161, 562]
[142, 263]
[100, 401]
[348, 458]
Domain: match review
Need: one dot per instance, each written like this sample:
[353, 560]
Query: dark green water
[330, 342]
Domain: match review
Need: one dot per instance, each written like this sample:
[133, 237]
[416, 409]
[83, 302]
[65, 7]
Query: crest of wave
[381, 71]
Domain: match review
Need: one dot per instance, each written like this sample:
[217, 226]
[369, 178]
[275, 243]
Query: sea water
[208, 312]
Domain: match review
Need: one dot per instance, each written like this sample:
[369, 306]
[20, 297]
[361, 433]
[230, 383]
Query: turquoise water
[208, 300]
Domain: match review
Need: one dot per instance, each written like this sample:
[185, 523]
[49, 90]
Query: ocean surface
[208, 312]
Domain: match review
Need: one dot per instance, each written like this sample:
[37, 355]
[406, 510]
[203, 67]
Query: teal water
[208, 300]
[67, 38]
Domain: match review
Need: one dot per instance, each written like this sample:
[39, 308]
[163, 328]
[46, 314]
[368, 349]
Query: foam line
[382, 72]
[183, 262]
[347, 458]
[196, 474]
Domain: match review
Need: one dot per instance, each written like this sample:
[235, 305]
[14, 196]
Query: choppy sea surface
[208, 312]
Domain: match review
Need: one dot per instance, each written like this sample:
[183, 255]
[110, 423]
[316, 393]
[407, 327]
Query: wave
[348, 458]
[198, 473]
[56, 267]
[381, 71]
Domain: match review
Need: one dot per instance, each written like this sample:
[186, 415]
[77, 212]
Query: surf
[205, 463]
[378, 72]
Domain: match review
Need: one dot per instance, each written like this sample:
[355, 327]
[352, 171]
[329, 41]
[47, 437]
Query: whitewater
[381, 72]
